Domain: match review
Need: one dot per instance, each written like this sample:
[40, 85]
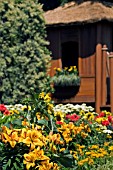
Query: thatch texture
[86, 12]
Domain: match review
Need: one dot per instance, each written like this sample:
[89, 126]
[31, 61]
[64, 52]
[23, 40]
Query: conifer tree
[24, 57]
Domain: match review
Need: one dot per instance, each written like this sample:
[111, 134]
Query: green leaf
[43, 122]
[4, 167]
[17, 159]
[9, 162]
[17, 122]
[15, 165]
[65, 160]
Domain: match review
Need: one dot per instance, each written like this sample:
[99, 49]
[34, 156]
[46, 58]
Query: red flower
[6, 112]
[105, 122]
[68, 116]
[102, 114]
[73, 117]
[110, 119]
[59, 122]
[2, 107]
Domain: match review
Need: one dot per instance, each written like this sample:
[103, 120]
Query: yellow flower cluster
[10, 136]
[35, 140]
[70, 130]
[45, 96]
[14, 112]
[38, 155]
[82, 156]
[54, 140]
[30, 137]
[89, 116]
[47, 100]
[99, 119]
[59, 115]
[72, 68]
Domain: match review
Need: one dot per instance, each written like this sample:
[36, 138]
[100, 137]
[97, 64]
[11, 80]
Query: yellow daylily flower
[23, 135]
[33, 138]
[12, 138]
[40, 154]
[29, 160]
[62, 149]
[12, 143]
[46, 165]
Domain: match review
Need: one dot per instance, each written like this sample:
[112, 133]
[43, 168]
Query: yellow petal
[28, 165]
[12, 143]
[14, 136]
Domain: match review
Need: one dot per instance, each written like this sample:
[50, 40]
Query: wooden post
[111, 81]
[104, 86]
[98, 77]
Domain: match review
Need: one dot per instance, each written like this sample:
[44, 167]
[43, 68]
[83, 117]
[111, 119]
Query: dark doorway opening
[70, 54]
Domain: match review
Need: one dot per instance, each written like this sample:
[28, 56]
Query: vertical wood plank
[98, 76]
[111, 81]
[104, 86]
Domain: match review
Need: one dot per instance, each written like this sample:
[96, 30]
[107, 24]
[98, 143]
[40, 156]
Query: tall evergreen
[24, 57]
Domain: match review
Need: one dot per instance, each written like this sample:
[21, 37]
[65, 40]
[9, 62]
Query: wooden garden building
[82, 35]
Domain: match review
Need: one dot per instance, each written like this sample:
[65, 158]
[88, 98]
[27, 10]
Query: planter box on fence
[65, 92]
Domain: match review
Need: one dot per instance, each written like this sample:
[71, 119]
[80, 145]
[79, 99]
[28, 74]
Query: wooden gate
[104, 72]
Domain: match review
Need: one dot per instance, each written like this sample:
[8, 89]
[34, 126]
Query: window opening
[70, 54]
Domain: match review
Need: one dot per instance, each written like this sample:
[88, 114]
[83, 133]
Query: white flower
[107, 131]
[70, 108]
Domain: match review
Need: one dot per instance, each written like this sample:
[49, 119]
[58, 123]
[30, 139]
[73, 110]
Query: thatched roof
[86, 12]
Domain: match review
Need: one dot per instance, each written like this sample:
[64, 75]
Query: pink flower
[105, 122]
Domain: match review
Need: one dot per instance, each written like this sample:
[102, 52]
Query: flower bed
[40, 135]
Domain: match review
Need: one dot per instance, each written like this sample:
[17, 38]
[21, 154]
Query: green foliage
[24, 57]
[12, 160]
[104, 163]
